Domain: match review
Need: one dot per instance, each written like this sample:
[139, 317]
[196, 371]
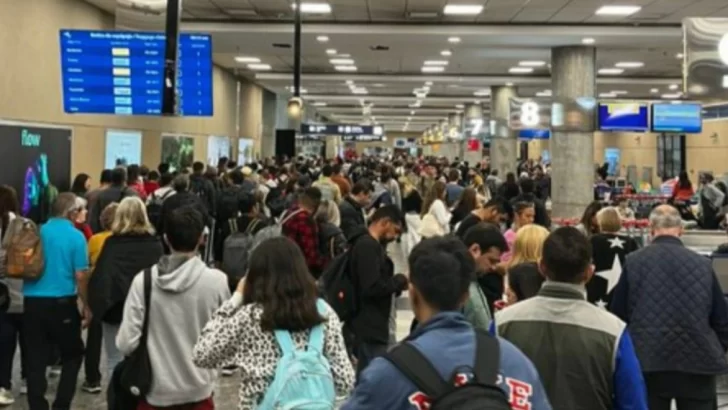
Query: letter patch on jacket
[520, 396]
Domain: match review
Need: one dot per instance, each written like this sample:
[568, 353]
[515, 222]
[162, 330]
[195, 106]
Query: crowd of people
[231, 269]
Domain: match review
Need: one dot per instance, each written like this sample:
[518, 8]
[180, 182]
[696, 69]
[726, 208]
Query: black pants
[366, 352]
[92, 359]
[12, 335]
[690, 391]
[52, 322]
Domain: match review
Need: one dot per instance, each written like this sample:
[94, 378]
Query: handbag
[430, 228]
[131, 380]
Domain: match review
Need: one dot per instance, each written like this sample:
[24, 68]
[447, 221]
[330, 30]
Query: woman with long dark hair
[277, 294]
[588, 225]
[510, 188]
[467, 202]
[81, 185]
[683, 190]
[11, 321]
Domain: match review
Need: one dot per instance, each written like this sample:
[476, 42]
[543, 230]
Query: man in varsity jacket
[583, 353]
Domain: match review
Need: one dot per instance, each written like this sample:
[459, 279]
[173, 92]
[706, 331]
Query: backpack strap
[418, 369]
[147, 305]
[233, 225]
[487, 358]
[252, 225]
[316, 338]
[283, 337]
[288, 216]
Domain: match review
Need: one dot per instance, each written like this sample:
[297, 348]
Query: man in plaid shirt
[301, 228]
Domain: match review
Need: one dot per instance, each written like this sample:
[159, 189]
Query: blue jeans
[113, 355]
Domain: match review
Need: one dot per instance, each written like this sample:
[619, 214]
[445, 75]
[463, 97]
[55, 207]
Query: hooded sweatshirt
[185, 294]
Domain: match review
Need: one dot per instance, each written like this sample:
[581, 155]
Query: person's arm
[630, 392]
[619, 305]
[80, 265]
[130, 330]
[223, 336]
[373, 284]
[719, 314]
[379, 387]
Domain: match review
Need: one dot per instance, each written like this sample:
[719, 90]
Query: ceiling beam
[480, 80]
[463, 30]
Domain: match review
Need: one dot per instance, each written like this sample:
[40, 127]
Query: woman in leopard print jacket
[278, 293]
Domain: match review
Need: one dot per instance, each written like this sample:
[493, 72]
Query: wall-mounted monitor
[534, 134]
[122, 73]
[624, 117]
[123, 148]
[682, 118]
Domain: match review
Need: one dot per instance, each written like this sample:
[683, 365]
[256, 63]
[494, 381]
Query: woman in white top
[434, 206]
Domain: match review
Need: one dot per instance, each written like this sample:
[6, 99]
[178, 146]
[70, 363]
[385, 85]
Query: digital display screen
[122, 73]
[345, 130]
[680, 118]
[123, 148]
[630, 116]
[534, 134]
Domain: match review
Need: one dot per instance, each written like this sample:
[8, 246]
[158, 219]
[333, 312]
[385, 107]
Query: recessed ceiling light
[617, 10]
[482, 93]
[459, 106]
[453, 40]
[303, 91]
[378, 85]
[331, 51]
[343, 56]
[476, 101]
[545, 93]
[348, 68]
[619, 92]
[322, 39]
[509, 84]
[654, 91]
[679, 56]
[341, 61]
[674, 86]
[446, 53]
[463, 9]
[671, 96]
[428, 83]
[532, 63]
[247, 59]
[607, 95]
[436, 62]
[349, 82]
[360, 91]
[412, 112]
[319, 104]
[520, 70]
[433, 69]
[260, 67]
[629, 64]
[611, 71]
[315, 8]
[588, 40]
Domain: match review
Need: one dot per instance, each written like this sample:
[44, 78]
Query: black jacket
[607, 251]
[203, 188]
[121, 259]
[103, 199]
[352, 217]
[542, 216]
[372, 272]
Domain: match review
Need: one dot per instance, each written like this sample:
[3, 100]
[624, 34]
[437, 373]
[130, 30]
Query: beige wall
[30, 87]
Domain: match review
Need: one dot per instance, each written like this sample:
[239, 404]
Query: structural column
[504, 144]
[573, 75]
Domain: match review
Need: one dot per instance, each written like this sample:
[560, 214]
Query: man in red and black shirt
[301, 228]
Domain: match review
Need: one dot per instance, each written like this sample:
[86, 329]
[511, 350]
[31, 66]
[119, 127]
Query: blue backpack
[303, 379]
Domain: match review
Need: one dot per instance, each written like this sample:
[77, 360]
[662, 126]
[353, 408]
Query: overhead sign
[122, 72]
[569, 115]
[344, 130]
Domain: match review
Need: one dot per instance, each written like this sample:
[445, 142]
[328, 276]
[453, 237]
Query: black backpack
[227, 207]
[337, 287]
[154, 208]
[481, 393]
[197, 187]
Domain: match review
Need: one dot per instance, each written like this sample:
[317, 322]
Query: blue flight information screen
[120, 72]
[680, 118]
[534, 134]
[624, 116]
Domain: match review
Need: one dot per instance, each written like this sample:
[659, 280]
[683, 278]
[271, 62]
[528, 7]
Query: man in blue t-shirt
[51, 316]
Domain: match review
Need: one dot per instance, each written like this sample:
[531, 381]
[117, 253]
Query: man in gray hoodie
[185, 294]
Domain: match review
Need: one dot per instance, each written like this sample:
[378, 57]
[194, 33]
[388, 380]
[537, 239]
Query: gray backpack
[272, 231]
[236, 251]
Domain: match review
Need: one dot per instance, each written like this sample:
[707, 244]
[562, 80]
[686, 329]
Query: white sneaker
[6, 397]
[23, 386]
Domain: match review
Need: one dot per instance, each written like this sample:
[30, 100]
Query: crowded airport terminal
[364, 204]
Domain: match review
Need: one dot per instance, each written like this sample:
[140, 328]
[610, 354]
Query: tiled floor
[226, 392]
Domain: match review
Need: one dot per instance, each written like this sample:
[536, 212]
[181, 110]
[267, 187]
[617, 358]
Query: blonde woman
[131, 248]
[609, 250]
[524, 278]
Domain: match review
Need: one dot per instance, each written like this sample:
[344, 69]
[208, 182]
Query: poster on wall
[123, 148]
[612, 158]
[178, 151]
[37, 164]
[217, 147]
[245, 151]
